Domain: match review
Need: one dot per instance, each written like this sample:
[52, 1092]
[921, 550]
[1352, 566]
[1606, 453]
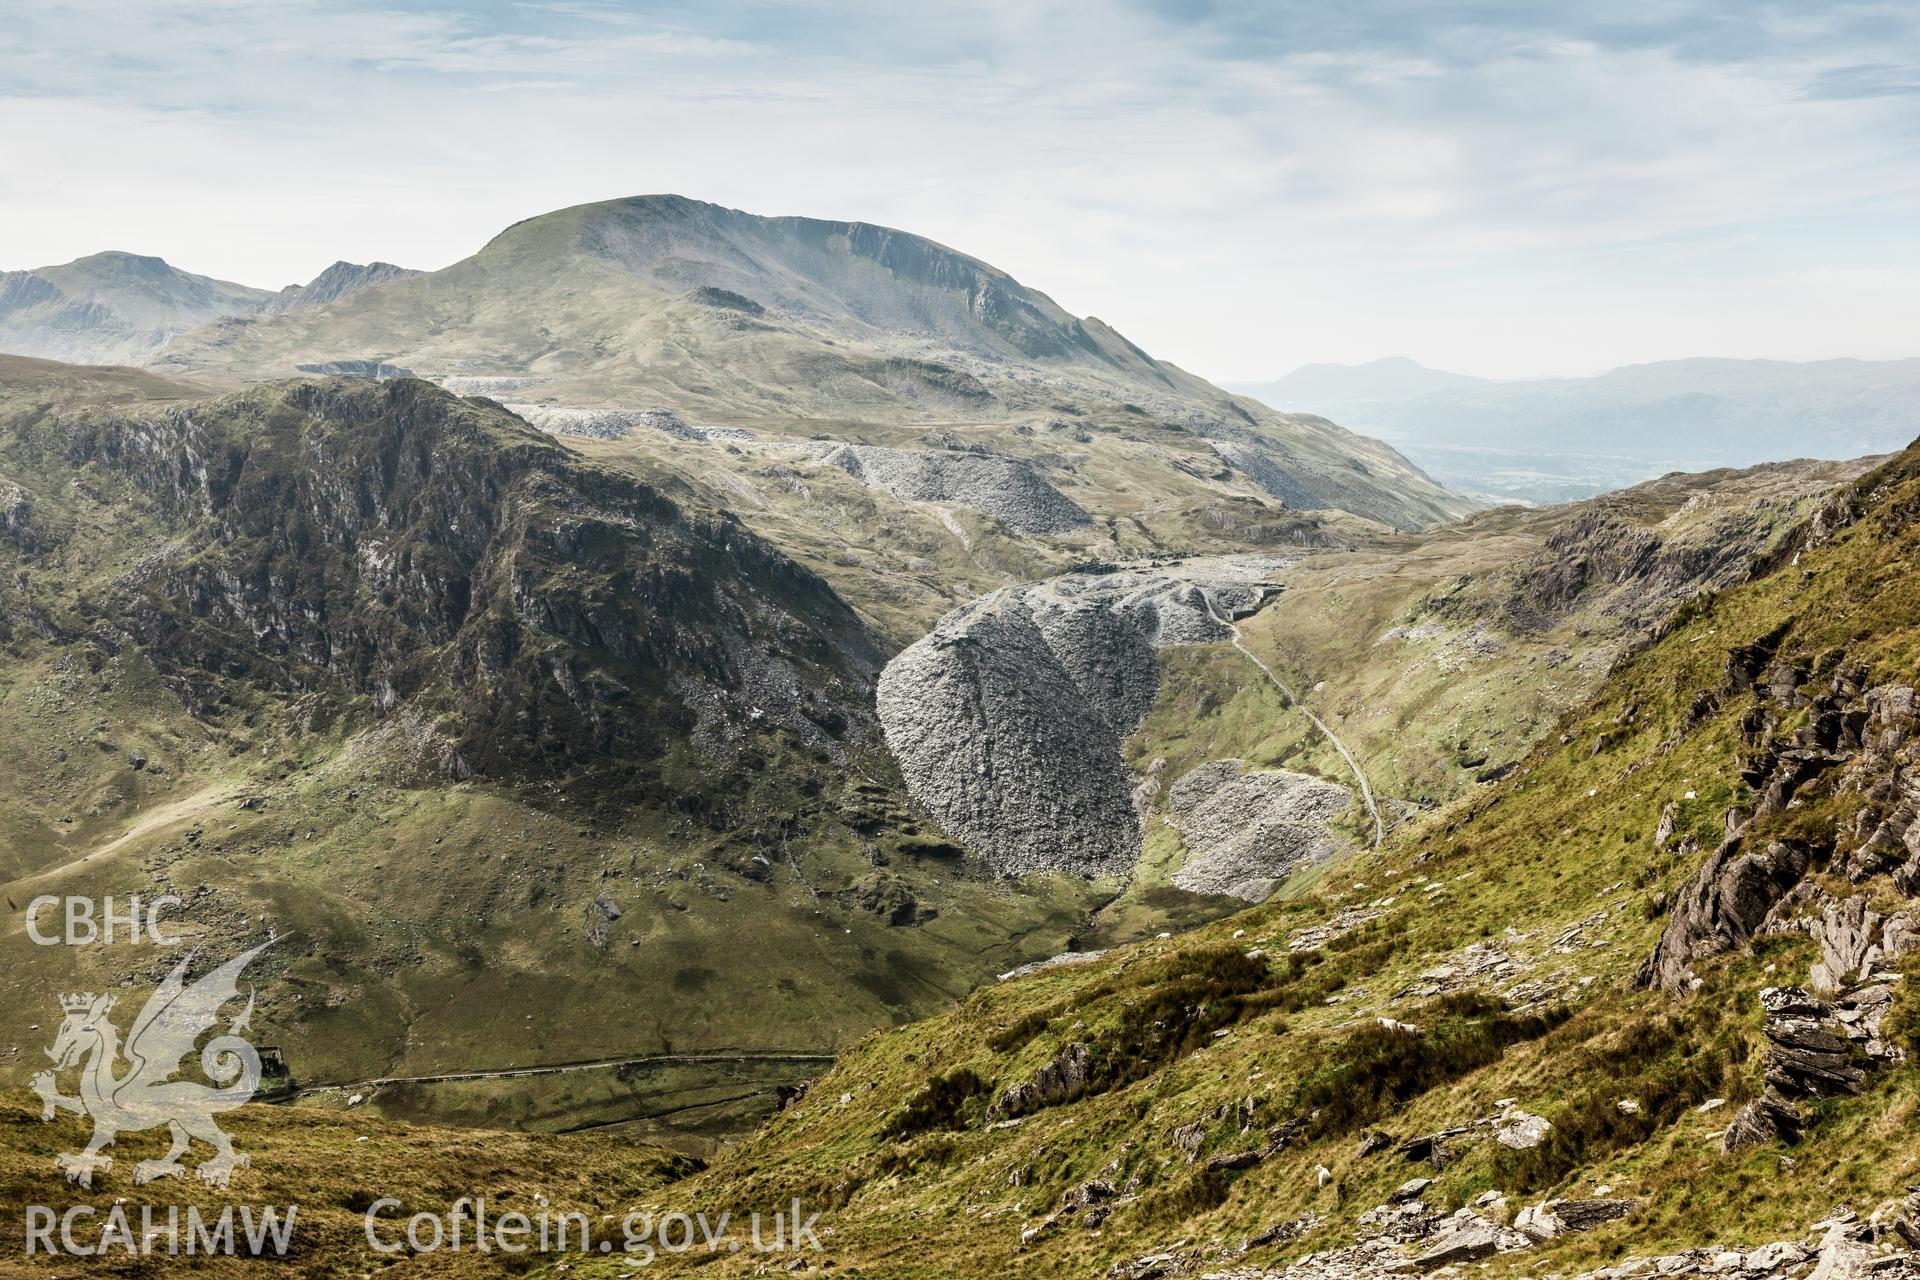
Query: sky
[1508, 189]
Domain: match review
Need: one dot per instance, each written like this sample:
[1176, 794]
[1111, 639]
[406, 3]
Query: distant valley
[1557, 439]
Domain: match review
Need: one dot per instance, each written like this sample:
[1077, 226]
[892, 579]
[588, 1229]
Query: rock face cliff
[1860, 746]
[1008, 718]
[388, 546]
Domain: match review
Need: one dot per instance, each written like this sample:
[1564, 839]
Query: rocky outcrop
[1723, 906]
[1466, 1237]
[1815, 1049]
[1008, 718]
[891, 898]
[1062, 1079]
[390, 551]
[16, 511]
[1855, 740]
[1632, 559]
[1247, 830]
[1857, 941]
[1008, 489]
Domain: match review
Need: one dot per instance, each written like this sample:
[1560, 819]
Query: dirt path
[1293, 700]
[173, 811]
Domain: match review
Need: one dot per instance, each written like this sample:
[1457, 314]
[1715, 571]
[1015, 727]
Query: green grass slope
[1179, 1096]
[532, 763]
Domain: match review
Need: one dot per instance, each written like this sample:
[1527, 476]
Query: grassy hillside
[1177, 1097]
[332, 1169]
[515, 748]
[519, 742]
[1440, 659]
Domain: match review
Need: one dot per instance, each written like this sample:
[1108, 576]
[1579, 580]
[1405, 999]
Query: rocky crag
[1855, 752]
[333, 284]
[386, 547]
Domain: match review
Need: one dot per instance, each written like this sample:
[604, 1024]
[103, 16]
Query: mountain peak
[120, 258]
[336, 282]
[661, 302]
[112, 307]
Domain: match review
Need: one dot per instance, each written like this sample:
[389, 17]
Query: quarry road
[1359, 774]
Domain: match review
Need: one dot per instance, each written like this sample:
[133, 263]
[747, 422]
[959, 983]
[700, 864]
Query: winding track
[1293, 700]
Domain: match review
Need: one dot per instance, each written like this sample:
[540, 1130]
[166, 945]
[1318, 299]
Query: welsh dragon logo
[145, 1096]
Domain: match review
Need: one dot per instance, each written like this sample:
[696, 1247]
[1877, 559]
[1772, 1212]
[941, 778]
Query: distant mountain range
[120, 308]
[1391, 380]
[1552, 439]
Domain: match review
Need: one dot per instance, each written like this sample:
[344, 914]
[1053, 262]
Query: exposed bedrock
[1008, 717]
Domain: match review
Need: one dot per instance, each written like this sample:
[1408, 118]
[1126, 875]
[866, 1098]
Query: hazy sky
[1501, 188]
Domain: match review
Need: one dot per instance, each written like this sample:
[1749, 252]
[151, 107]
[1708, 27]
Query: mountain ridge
[663, 302]
[116, 307]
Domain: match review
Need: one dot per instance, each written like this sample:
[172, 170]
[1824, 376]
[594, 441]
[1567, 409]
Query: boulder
[1766, 1118]
[1585, 1215]
[1468, 1237]
[1521, 1130]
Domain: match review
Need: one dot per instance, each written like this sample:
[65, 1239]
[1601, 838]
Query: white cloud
[1240, 194]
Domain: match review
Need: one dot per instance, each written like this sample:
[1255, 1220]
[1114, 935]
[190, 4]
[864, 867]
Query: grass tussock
[1375, 1070]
